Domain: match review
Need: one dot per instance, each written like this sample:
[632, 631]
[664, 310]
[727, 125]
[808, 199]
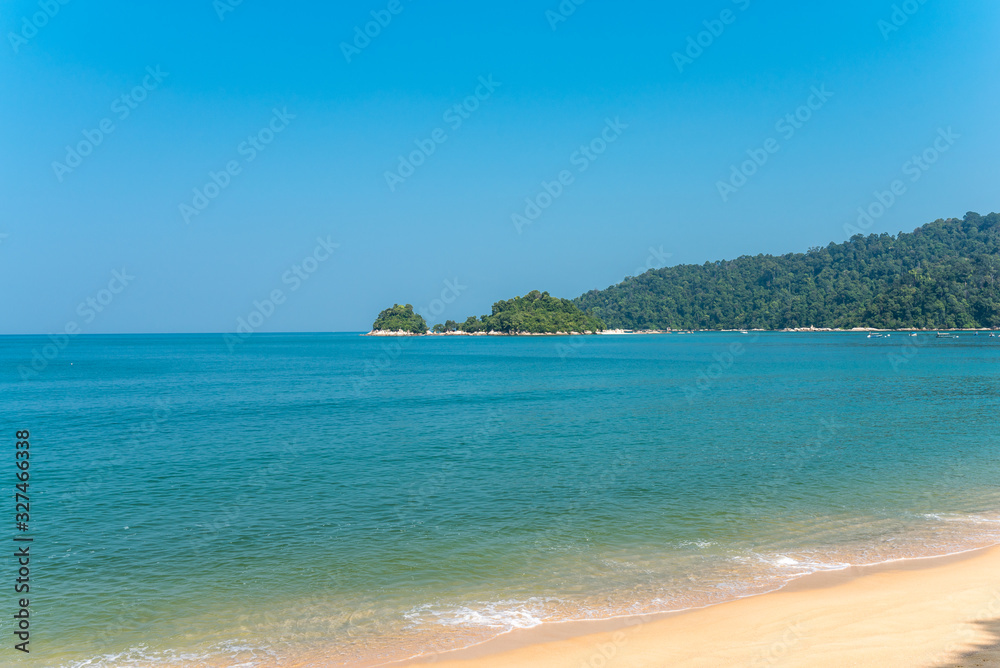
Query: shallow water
[370, 498]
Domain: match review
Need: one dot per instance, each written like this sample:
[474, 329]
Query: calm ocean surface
[361, 498]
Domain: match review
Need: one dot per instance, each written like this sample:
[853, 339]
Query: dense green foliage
[400, 318]
[536, 312]
[942, 275]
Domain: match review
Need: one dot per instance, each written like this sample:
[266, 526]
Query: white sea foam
[971, 519]
[697, 543]
[758, 572]
[505, 615]
[797, 565]
[236, 653]
[139, 655]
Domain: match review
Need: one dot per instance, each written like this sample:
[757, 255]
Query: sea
[336, 499]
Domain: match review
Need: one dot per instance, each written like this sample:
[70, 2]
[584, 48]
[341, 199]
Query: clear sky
[310, 117]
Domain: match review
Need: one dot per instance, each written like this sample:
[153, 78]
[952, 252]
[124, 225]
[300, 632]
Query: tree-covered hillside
[536, 312]
[400, 319]
[942, 275]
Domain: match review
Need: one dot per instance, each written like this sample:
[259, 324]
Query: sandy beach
[942, 611]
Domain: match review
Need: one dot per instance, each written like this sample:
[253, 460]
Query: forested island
[400, 319]
[534, 313]
[943, 275]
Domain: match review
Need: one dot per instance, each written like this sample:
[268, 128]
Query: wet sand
[941, 611]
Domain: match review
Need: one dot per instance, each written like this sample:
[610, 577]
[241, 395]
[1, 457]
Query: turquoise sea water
[361, 498]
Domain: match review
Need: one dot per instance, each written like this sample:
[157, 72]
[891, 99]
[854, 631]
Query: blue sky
[187, 95]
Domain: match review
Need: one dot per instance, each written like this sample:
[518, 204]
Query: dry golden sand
[925, 612]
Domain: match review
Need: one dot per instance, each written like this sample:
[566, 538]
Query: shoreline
[629, 332]
[934, 610]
